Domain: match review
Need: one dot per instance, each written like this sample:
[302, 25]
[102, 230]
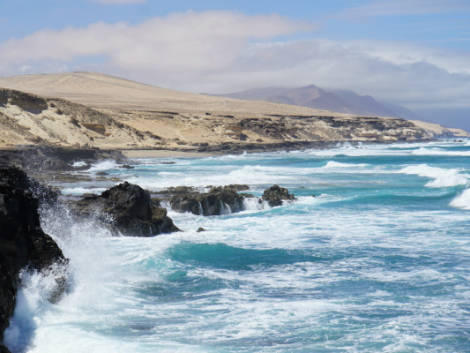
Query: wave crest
[462, 200]
[441, 177]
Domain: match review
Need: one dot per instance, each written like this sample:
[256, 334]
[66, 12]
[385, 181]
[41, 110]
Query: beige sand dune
[103, 91]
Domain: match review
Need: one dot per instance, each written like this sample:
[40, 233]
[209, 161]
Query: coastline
[227, 243]
[165, 154]
[49, 158]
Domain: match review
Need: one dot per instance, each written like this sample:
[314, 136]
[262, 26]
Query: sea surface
[374, 256]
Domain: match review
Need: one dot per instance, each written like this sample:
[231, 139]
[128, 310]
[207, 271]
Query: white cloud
[186, 41]
[119, 2]
[225, 51]
[407, 7]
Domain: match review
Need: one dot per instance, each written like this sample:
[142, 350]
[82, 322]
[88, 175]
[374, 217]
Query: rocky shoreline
[125, 209]
[24, 245]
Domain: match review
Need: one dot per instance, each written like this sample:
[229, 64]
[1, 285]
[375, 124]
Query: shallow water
[378, 261]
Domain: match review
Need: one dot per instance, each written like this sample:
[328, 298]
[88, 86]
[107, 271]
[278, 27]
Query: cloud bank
[222, 51]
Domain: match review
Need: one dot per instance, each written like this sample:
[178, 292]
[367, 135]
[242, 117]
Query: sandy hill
[104, 91]
[95, 110]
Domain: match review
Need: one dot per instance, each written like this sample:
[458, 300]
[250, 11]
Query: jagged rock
[178, 190]
[219, 200]
[276, 194]
[234, 187]
[23, 244]
[128, 209]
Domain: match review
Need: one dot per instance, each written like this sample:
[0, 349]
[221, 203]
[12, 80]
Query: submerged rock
[23, 244]
[128, 209]
[275, 195]
[219, 200]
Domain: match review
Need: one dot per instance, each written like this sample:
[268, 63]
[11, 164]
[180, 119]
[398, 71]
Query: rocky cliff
[23, 244]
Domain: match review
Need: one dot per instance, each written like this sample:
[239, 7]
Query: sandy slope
[103, 91]
[108, 112]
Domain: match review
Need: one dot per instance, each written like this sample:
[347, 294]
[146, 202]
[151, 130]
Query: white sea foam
[253, 175]
[462, 200]
[103, 165]
[439, 152]
[358, 151]
[441, 177]
[333, 164]
[423, 149]
[78, 164]
[82, 190]
[248, 174]
[31, 302]
[254, 204]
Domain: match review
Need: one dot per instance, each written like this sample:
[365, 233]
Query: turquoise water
[377, 261]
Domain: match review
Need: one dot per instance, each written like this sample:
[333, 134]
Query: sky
[415, 53]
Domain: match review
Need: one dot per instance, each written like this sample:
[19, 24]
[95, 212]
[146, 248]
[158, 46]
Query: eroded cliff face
[219, 132]
[27, 119]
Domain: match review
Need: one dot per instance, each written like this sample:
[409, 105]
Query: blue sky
[448, 26]
[415, 52]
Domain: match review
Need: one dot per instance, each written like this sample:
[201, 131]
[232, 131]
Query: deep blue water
[377, 261]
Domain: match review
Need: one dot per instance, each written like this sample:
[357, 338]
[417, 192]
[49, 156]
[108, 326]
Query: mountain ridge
[337, 100]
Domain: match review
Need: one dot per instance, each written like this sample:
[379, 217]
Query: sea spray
[103, 166]
[35, 298]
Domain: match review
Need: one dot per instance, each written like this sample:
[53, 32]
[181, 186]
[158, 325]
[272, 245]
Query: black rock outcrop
[23, 244]
[219, 200]
[127, 209]
[43, 159]
[275, 195]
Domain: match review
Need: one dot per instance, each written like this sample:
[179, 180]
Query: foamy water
[374, 256]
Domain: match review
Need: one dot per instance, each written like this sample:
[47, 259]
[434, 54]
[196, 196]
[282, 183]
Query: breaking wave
[462, 200]
[441, 177]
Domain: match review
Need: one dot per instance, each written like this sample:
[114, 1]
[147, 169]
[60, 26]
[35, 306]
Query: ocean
[373, 256]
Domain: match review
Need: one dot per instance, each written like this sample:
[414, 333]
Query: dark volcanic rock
[219, 200]
[127, 208]
[23, 244]
[40, 159]
[276, 194]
